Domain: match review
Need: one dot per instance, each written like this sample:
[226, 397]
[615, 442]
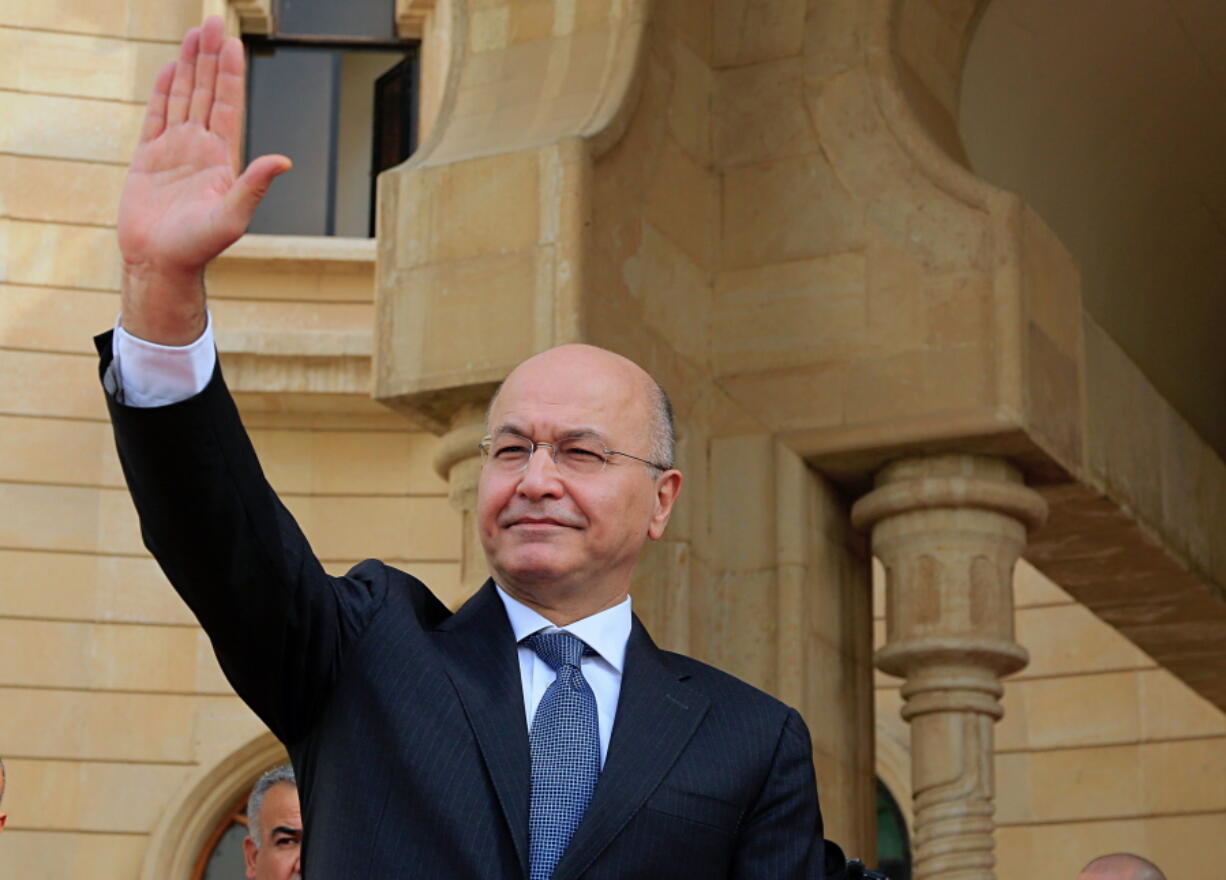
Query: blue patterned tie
[565, 742]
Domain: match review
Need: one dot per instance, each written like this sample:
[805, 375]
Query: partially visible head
[1121, 866]
[274, 827]
[545, 532]
[3, 779]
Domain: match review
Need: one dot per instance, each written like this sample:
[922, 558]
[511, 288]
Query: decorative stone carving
[458, 461]
[949, 530]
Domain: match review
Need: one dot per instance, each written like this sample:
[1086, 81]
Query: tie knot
[558, 649]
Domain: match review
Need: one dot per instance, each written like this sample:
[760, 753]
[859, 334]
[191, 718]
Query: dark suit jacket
[405, 722]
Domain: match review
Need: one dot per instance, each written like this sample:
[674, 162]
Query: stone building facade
[931, 281]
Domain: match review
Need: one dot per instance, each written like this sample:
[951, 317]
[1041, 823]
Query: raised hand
[184, 201]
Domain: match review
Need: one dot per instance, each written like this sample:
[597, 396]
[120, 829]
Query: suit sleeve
[781, 836]
[279, 624]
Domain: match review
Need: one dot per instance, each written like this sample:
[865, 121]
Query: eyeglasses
[577, 456]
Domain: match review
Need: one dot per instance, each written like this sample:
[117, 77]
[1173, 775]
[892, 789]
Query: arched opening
[893, 841]
[191, 828]
[1107, 118]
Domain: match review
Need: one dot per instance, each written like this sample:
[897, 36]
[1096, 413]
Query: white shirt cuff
[158, 375]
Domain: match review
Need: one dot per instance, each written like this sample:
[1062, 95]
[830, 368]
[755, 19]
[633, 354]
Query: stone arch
[187, 822]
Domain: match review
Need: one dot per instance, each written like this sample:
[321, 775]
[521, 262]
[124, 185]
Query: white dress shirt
[158, 375]
[605, 632]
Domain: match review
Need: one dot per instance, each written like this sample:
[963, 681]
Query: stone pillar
[949, 529]
[458, 461]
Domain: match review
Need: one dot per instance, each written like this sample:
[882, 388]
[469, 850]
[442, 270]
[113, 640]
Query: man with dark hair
[1121, 866]
[272, 847]
[537, 732]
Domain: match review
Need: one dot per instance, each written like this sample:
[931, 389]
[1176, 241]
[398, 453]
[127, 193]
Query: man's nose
[541, 479]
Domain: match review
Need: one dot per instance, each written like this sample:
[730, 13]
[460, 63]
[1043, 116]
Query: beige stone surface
[52, 855]
[1094, 748]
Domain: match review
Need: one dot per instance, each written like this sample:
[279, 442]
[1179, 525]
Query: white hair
[275, 776]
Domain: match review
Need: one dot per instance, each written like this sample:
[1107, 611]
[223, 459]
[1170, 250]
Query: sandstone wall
[111, 703]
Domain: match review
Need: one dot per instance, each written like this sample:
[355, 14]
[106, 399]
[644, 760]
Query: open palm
[183, 202]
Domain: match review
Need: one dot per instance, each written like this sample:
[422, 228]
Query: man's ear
[250, 852]
[668, 487]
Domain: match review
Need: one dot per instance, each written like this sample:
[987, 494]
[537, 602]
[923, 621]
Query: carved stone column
[458, 461]
[949, 529]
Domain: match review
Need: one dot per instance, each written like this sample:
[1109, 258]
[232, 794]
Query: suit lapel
[484, 668]
[656, 716]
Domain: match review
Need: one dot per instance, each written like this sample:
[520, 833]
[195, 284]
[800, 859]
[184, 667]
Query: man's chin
[535, 570]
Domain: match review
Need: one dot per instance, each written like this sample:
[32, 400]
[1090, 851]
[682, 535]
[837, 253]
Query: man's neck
[561, 610]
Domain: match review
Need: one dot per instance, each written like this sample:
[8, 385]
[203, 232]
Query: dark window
[333, 89]
[221, 858]
[893, 846]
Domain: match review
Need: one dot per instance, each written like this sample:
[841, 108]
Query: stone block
[72, 796]
[932, 46]
[1056, 712]
[1173, 710]
[482, 206]
[51, 517]
[828, 50]
[748, 31]
[682, 201]
[789, 315]
[57, 451]
[1031, 587]
[38, 854]
[97, 725]
[54, 319]
[76, 16]
[62, 256]
[99, 656]
[689, 104]
[533, 20]
[77, 65]
[317, 282]
[741, 625]
[1067, 637]
[742, 502]
[671, 293]
[497, 303]
[1071, 784]
[691, 22]
[1184, 777]
[381, 463]
[69, 128]
[152, 20]
[760, 114]
[78, 586]
[394, 528]
[1051, 286]
[786, 209]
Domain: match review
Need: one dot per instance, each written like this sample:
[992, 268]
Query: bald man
[1121, 866]
[537, 732]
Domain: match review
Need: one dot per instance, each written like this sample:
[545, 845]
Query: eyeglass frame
[487, 441]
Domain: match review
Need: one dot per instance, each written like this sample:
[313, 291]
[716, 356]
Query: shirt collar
[605, 632]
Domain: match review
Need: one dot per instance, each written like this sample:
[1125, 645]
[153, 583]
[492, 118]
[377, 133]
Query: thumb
[252, 185]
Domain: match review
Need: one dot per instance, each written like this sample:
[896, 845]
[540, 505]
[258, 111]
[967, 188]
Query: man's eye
[584, 454]
[510, 450]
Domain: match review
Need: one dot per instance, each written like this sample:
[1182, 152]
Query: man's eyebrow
[571, 434]
[286, 829]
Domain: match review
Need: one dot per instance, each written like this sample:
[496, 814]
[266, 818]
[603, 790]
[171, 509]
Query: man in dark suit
[537, 732]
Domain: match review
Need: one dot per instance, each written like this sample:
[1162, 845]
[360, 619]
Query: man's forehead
[576, 386]
[280, 801]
